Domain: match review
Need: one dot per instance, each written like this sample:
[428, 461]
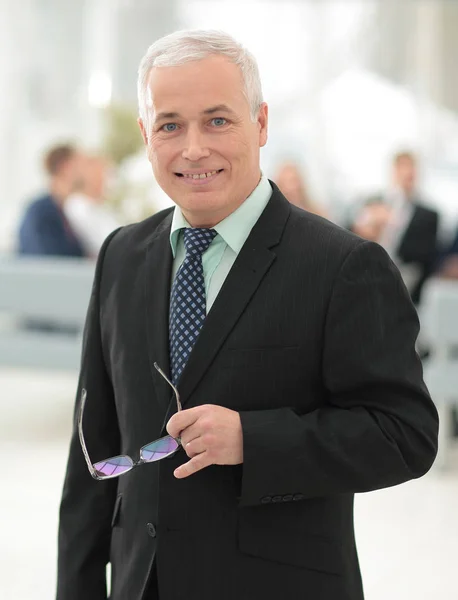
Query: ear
[263, 119]
[143, 130]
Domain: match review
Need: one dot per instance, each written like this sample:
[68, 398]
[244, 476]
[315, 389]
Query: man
[85, 210]
[302, 387]
[402, 225]
[44, 229]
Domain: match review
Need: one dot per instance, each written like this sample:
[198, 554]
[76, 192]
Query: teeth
[202, 175]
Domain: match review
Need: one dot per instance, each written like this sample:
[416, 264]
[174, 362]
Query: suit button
[266, 500]
[298, 497]
[277, 498]
[151, 530]
[287, 498]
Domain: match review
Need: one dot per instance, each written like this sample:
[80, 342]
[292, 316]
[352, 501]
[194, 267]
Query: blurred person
[86, 211]
[448, 266]
[44, 229]
[399, 221]
[293, 187]
[289, 341]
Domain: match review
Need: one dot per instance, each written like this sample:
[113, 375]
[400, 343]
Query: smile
[199, 178]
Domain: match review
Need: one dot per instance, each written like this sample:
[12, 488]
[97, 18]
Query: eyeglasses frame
[141, 461]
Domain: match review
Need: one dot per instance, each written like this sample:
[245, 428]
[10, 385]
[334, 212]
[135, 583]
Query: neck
[207, 221]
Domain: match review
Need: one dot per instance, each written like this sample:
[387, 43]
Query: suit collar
[157, 290]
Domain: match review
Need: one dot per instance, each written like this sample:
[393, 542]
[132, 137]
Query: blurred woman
[292, 186]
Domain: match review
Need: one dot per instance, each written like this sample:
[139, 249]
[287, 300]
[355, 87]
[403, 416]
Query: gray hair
[196, 44]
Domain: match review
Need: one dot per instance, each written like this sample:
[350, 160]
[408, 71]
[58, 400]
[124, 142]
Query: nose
[195, 146]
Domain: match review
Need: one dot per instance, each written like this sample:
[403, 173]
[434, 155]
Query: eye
[219, 121]
[169, 127]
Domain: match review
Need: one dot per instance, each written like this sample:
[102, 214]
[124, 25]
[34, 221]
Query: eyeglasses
[118, 465]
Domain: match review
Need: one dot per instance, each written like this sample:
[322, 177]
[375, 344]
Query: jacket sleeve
[87, 505]
[378, 427]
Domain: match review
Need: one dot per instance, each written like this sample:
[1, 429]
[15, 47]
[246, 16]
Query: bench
[53, 294]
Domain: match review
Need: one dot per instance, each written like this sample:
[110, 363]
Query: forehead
[195, 86]
[405, 161]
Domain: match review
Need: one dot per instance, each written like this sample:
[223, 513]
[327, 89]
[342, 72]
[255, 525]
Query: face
[95, 178]
[202, 144]
[72, 171]
[405, 174]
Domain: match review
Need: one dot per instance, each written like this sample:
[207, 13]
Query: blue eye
[169, 127]
[219, 121]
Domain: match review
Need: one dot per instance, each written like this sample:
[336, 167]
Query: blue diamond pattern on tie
[187, 300]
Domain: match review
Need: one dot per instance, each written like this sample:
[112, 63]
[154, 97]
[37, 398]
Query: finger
[194, 447]
[181, 420]
[191, 433]
[194, 465]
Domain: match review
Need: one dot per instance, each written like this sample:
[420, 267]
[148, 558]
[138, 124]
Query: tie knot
[197, 240]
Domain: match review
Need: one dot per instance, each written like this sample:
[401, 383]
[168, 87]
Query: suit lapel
[249, 269]
[157, 285]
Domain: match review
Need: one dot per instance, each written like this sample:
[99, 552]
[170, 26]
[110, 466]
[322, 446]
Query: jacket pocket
[116, 511]
[289, 545]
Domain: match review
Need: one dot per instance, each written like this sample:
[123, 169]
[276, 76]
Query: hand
[210, 435]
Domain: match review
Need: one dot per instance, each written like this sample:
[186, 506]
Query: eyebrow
[208, 111]
[218, 108]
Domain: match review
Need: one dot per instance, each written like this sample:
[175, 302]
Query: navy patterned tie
[187, 300]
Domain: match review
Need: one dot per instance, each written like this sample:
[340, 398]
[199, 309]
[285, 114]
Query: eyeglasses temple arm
[177, 395]
[81, 435]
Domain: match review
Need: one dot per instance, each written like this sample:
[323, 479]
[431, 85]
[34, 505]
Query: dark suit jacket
[44, 231]
[419, 244]
[311, 339]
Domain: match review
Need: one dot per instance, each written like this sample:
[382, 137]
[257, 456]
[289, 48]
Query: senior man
[265, 354]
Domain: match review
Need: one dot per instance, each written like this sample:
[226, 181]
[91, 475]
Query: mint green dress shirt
[232, 233]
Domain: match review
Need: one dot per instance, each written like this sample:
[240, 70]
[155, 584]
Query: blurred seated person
[292, 185]
[44, 229]
[85, 209]
[399, 222]
[448, 267]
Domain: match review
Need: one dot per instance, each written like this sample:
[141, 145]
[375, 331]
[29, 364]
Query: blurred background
[363, 100]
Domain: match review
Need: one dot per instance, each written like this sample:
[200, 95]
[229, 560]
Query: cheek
[158, 157]
[236, 149]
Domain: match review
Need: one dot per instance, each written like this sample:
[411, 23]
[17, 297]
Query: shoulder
[134, 238]
[41, 208]
[425, 212]
[312, 233]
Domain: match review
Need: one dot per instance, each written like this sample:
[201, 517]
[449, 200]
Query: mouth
[200, 178]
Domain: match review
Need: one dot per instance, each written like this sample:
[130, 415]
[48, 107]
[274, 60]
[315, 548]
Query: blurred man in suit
[290, 342]
[44, 229]
[399, 221]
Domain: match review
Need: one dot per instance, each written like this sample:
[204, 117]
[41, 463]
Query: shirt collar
[236, 227]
